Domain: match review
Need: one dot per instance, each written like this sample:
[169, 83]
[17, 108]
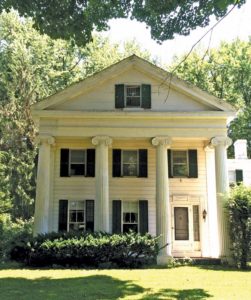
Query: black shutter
[119, 96]
[116, 216]
[169, 159]
[142, 162]
[143, 216]
[62, 215]
[90, 168]
[146, 95]
[89, 204]
[193, 165]
[239, 176]
[116, 163]
[64, 163]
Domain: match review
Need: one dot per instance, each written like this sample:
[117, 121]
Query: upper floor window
[129, 163]
[77, 162]
[132, 95]
[183, 163]
[77, 165]
[180, 163]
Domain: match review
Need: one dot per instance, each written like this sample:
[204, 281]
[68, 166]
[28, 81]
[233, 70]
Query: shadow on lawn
[88, 288]
[222, 268]
[189, 294]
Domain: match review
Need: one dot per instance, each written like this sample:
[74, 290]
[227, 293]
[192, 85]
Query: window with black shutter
[130, 163]
[183, 163]
[77, 162]
[133, 95]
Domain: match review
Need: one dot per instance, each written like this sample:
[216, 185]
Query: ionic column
[101, 220]
[210, 237]
[42, 204]
[163, 215]
[222, 186]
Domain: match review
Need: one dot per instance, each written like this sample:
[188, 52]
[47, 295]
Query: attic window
[133, 95]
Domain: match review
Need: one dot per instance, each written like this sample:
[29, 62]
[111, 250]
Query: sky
[236, 24]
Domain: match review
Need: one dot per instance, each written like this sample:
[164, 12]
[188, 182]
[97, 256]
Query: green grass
[188, 282]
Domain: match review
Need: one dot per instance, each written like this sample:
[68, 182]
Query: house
[133, 147]
[239, 168]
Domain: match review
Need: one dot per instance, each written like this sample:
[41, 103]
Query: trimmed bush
[96, 249]
[239, 206]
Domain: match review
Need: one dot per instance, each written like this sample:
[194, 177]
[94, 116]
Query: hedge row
[98, 249]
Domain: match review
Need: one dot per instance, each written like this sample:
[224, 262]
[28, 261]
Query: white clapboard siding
[126, 189]
[102, 96]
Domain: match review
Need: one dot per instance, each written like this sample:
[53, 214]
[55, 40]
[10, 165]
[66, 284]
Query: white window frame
[187, 163]
[68, 219]
[122, 215]
[122, 163]
[70, 163]
[140, 96]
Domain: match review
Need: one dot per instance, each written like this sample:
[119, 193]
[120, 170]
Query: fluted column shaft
[163, 215]
[222, 186]
[42, 204]
[101, 220]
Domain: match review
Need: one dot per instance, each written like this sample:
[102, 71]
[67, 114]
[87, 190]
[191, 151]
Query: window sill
[133, 109]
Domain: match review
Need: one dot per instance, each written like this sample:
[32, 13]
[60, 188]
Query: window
[76, 216]
[196, 223]
[179, 164]
[77, 162]
[130, 216]
[130, 162]
[133, 96]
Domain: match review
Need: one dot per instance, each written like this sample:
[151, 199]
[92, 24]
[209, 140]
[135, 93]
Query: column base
[163, 260]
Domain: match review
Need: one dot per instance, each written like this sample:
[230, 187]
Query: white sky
[236, 24]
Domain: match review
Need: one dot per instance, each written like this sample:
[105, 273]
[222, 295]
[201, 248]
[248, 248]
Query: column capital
[102, 139]
[45, 139]
[161, 140]
[221, 141]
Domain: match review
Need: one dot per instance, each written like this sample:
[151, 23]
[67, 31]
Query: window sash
[130, 216]
[125, 166]
[179, 168]
[133, 99]
[76, 215]
[77, 167]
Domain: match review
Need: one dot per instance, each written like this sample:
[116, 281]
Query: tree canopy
[32, 67]
[76, 19]
[226, 73]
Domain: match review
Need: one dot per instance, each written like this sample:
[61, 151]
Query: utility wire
[170, 75]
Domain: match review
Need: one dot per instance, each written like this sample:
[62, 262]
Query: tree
[76, 19]
[32, 67]
[226, 73]
[239, 207]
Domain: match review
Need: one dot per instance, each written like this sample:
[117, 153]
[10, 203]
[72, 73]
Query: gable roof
[134, 61]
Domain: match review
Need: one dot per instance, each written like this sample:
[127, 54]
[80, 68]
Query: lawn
[188, 282]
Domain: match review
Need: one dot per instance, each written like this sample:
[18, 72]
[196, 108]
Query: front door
[185, 228]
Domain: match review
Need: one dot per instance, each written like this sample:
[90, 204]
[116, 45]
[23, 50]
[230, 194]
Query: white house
[132, 147]
[239, 168]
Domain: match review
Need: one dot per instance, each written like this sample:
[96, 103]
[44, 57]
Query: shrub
[239, 206]
[97, 249]
[12, 231]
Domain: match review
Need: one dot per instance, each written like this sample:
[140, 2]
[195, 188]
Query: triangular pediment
[169, 93]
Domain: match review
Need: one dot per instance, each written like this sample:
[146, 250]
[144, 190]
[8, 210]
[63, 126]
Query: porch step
[202, 260]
